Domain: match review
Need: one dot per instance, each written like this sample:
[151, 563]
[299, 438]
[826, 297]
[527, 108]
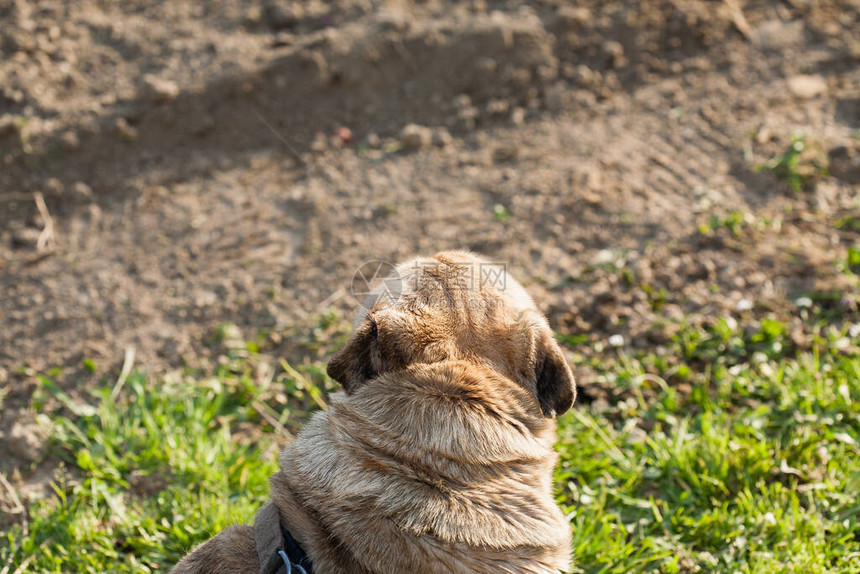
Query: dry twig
[738, 18]
[269, 416]
[18, 508]
[127, 363]
[47, 234]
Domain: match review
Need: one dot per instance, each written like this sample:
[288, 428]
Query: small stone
[125, 130]
[614, 53]
[518, 116]
[442, 137]
[777, 34]
[764, 135]
[505, 152]
[8, 124]
[320, 142]
[415, 137]
[468, 116]
[342, 136]
[573, 18]
[159, 89]
[393, 21]
[554, 98]
[845, 164]
[520, 78]
[373, 141]
[807, 86]
[848, 112]
[25, 237]
[82, 190]
[462, 101]
[487, 65]
[498, 107]
[585, 76]
[54, 186]
[70, 140]
[251, 17]
[44, 44]
[568, 70]
[547, 73]
[27, 441]
[278, 16]
[282, 39]
[20, 42]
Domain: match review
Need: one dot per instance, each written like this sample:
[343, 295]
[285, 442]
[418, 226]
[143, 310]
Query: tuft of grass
[733, 222]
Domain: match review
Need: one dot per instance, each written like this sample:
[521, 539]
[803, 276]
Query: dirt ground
[235, 161]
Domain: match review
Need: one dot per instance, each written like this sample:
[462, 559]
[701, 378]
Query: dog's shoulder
[231, 551]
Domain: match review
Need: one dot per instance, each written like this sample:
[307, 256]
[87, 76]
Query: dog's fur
[437, 457]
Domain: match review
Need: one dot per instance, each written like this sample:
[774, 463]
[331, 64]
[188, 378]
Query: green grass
[728, 452]
[755, 471]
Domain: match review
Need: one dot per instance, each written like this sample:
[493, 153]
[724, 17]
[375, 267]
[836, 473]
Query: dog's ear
[556, 387]
[354, 364]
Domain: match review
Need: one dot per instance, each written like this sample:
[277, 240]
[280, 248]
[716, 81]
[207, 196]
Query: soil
[236, 161]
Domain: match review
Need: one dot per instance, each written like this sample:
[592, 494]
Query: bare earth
[193, 164]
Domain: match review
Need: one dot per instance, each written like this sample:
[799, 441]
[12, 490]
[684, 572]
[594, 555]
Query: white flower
[769, 518]
[854, 330]
[603, 257]
[616, 341]
[803, 302]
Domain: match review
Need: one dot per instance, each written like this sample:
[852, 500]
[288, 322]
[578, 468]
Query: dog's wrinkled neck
[432, 459]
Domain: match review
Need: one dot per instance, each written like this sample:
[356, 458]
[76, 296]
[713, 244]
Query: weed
[733, 222]
[800, 166]
[849, 223]
[852, 260]
[500, 212]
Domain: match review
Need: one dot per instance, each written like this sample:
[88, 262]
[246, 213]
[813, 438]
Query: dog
[437, 456]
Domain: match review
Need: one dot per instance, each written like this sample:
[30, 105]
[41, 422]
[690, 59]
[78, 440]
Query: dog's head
[456, 306]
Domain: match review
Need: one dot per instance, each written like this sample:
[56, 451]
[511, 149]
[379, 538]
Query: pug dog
[437, 456]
